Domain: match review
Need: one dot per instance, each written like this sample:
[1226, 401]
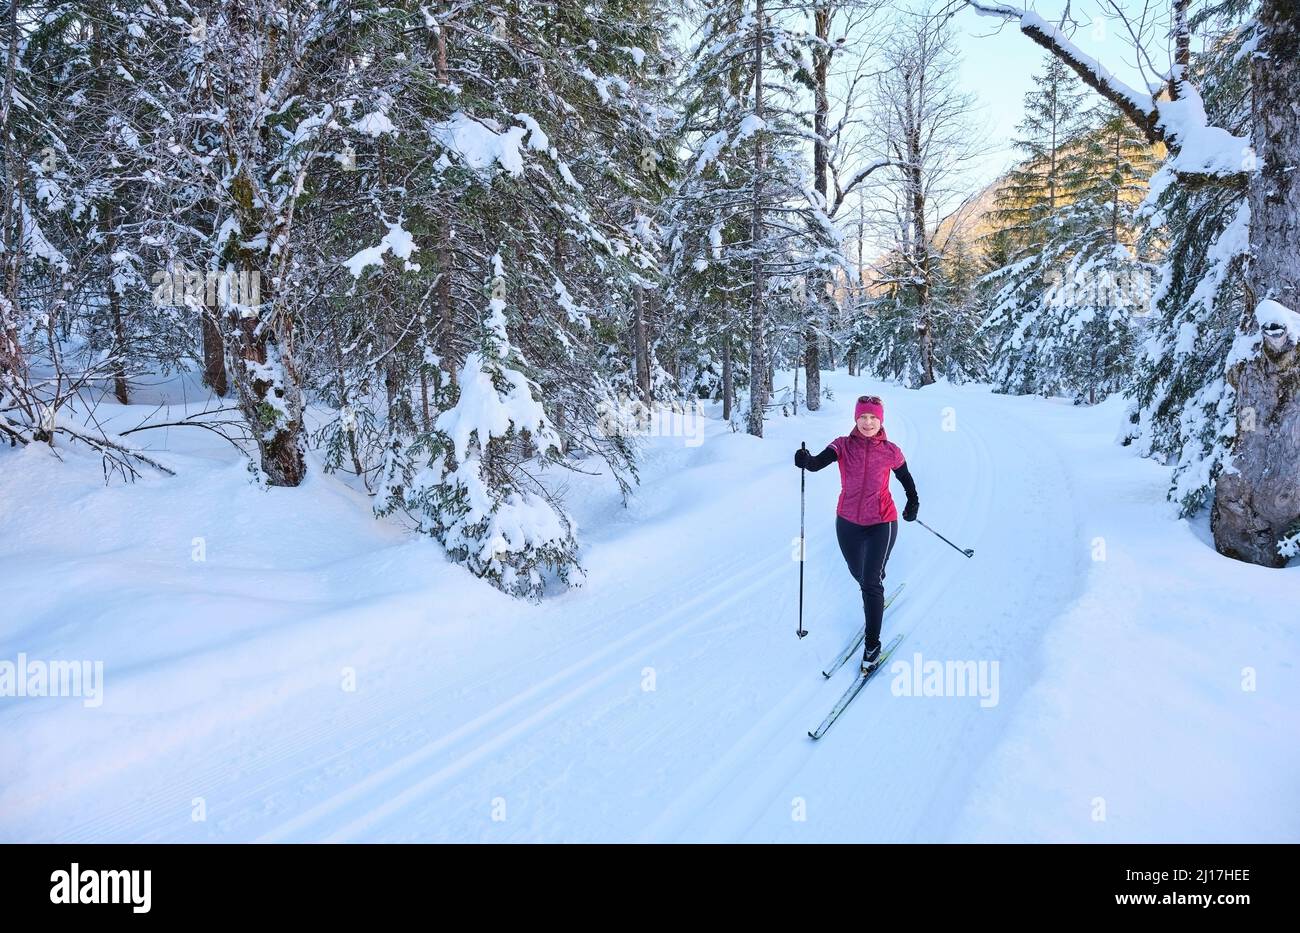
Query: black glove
[909, 510]
[801, 457]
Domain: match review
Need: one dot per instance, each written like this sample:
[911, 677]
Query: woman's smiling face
[868, 424]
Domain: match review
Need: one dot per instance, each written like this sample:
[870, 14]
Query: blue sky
[998, 67]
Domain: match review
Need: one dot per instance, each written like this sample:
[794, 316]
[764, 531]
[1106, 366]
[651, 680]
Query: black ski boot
[870, 657]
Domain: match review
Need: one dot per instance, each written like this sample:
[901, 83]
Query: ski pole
[803, 474]
[969, 552]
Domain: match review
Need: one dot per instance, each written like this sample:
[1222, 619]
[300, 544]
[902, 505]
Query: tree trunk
[757, 351]
[425, 421]
[14, 381]
[812, 368]
[214, 354]
[821, 181]
[350, 429]
[921, 258]
[728, 377]
[1260, 502]
[860, 293]
[1114, 204]
[265, 377]
[446, 351]
[272, 402]
[97, 56]
[115, 314]
[642, 345]
[119, 340]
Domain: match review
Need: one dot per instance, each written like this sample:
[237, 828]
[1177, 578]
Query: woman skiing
[866, 520]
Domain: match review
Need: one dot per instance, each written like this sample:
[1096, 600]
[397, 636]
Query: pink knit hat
[871, 404]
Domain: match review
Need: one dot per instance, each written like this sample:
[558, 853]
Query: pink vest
[865, 463]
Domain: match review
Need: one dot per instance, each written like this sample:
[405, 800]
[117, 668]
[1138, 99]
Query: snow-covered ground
[278, 665]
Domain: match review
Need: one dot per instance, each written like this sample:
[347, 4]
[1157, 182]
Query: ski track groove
[635, 646]
[755, 579]
[133, 815]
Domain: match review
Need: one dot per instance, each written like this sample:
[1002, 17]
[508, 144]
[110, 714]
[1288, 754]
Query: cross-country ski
[855, 688]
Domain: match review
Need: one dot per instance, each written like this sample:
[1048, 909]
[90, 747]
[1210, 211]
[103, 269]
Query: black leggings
[866, 549]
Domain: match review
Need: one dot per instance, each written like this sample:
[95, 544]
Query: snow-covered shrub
[476, 492]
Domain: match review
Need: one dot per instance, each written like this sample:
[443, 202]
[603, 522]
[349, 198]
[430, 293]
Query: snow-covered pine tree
[479, 496]
[75, 312]
[32, 265]
[707, 223]
[535, 136]
[884, 338]
[87, 185]
[626, 166]
[959, 348]
[1027, 217]
[267, 86]
[1105, 287]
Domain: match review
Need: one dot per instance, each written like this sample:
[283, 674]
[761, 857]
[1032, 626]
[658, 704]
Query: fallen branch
[103, 445]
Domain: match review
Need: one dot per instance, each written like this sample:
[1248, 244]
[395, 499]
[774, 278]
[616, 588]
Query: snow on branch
[479, 145]
[117, 457]
[1200, 149]
[397, 241]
